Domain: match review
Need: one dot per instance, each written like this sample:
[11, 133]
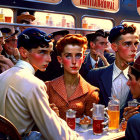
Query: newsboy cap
[115, 32]
[61, 32]
[32, 38]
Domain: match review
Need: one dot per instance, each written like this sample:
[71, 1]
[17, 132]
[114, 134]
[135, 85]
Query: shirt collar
[117, 71]
[93, 62]
[25, 65]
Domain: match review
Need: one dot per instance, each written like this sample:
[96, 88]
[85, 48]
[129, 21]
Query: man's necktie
[96, 65]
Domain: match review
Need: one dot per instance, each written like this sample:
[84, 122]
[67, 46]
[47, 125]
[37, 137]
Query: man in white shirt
[112, 80]
[23, 98]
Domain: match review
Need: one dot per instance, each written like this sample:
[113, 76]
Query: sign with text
[103, 5]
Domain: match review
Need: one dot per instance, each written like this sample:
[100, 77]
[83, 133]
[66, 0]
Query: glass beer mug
[98, 118]
[70, 118]
[114, 114]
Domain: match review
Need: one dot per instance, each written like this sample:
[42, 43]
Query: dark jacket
[102, 78]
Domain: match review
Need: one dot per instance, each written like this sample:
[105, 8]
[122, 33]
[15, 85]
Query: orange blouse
[81, 100]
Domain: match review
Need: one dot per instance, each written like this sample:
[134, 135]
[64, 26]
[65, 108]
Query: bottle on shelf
[84, 24]
[1, 16]
[63, 21]
[47, 19]
[50, 21]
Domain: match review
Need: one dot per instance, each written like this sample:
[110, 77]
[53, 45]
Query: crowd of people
[44, 75]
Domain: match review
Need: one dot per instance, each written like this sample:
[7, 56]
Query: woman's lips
[74, 68]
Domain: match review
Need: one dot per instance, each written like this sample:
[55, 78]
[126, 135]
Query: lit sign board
[103, 5]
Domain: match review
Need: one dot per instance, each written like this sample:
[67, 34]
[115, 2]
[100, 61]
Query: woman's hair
[74, 39]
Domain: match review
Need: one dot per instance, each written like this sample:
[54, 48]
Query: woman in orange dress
[71, 91]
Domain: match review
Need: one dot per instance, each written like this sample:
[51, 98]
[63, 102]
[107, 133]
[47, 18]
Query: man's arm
[49, 124]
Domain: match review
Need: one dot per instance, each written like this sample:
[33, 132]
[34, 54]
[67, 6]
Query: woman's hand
[54, 108]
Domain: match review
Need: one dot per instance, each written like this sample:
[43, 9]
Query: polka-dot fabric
[81, 100]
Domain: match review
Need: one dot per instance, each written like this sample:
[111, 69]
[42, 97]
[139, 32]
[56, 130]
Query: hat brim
[63, 32]
[21, 17]
[13, 34]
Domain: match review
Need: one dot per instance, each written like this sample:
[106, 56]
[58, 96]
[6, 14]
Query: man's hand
[100, 54]
[130, 111]
[16, 53]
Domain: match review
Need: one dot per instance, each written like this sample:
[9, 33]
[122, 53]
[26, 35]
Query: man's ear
[59, 59]
[92, 44]
[23, 52]
[139, 82]
[114, 47]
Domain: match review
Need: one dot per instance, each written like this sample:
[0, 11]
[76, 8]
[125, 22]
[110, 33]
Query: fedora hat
[136, 64]
[8, 33]
[25, 16]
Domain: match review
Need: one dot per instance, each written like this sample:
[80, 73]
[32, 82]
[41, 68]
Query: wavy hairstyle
[74, 39]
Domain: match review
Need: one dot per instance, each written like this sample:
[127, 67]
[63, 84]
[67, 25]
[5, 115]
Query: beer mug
[114, 114]
[133, 103]
[70, 118]
[98, 118]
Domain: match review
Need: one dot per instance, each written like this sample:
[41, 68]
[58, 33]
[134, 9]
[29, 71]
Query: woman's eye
[68, 56]
[78, 56]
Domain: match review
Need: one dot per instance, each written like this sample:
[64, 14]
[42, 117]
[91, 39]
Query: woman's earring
[61, 65]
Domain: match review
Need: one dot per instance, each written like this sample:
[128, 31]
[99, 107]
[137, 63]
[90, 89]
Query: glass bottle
[114, 114]
[1, 16]
[70, 118]
[63, 21]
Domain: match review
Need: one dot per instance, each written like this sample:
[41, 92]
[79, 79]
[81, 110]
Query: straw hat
[25, 16]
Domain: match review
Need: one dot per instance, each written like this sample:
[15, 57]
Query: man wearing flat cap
[54, 69]
[23, 98]
[10, 49]
[97, 57]
[133, 114]
[112, 80]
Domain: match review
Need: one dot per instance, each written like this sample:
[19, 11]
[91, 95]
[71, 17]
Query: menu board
[103, 5]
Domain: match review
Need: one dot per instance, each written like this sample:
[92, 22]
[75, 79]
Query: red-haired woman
[71, 91]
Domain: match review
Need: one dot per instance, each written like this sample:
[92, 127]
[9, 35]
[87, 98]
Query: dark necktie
[96, 65]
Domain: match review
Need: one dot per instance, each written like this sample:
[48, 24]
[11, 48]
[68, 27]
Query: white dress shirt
[119, 84]
[24, 101]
